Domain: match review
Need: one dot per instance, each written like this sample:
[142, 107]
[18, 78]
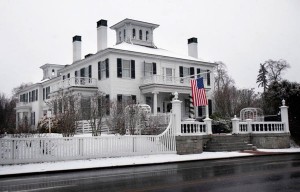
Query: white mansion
[133, 68]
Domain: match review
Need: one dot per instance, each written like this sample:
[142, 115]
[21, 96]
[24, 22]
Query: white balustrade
[74, 82]
[193, 128]
[25, 150]
[261, 127]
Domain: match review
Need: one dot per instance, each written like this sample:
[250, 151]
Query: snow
[153, 51]
[126, 161]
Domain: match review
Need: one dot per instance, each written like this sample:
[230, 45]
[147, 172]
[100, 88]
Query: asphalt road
[253, 174]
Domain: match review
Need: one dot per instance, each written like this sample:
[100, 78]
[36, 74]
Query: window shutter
[90, 71]
[154, 68]
[36, 95]
[75, 74]
[64, 77]
[192, 72]
[180, 71]
[132, 69]
[68, 75]
[119, 98]
[133, 98]
[82, 72]
[119, 68]
[99, 70]
[107, 104]
[198, 71]
[44, 93]
[107, 67]
[209, 107]
[208, 78]
[200, 114]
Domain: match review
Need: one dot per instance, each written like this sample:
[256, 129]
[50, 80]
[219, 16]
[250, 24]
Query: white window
[148, 69]
[103, 70]
[126, 68]
[169, 74]
[186, 71]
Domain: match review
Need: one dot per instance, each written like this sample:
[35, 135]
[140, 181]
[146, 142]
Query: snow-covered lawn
[124, 161]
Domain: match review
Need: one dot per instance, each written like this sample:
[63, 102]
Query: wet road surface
[253, 174]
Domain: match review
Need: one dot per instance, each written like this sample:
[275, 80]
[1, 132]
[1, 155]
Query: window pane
[186, 71]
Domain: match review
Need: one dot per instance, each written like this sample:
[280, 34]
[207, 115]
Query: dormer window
[147, 35]
[133, 33]
[141, 34]
[124, 34]
[120, 35]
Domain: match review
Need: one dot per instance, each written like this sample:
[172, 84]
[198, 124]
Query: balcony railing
[23, 104]
[168, 80]
[74, 82]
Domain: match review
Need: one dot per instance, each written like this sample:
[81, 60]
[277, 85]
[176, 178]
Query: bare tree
[66, 111]
[116, 120]
[20, 87]
[99, 109]
[133, 116]
[276, 68]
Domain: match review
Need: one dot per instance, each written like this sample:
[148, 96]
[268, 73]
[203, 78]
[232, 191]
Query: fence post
[285, 116]
[235, 125]
[249, 125]
[207, 121]
[176, 109]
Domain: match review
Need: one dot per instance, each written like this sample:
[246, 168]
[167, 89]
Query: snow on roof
[153, 51]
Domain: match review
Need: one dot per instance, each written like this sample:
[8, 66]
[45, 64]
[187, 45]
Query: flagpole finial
[175, 95]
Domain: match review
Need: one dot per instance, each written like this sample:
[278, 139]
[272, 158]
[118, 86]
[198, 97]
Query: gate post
[176, 109]
[285, 116]
[235, 125]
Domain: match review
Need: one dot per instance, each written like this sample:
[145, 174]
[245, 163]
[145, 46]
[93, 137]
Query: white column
[235, 125]
[155, 93]
[249, 125]
[208, 121]
[285, 116]
[176, 109]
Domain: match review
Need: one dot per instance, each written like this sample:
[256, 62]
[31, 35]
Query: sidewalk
[6, 170]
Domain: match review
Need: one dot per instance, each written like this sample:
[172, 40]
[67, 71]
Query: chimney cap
[76, 38]
[102, 22]
[192, 40]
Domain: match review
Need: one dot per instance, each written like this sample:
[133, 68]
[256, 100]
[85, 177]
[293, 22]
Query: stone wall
[271, 140]
[189, 144]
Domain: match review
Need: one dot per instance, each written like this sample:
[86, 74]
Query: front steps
[228, 143]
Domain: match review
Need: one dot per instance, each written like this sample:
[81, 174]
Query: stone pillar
[285, 116]
[176, 109]
[155, 102]
[249, 125]
[235, 125]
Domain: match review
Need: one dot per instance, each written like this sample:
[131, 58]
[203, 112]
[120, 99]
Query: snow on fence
[27, 150]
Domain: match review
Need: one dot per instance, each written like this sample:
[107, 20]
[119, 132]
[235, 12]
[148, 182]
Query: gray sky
[240, 33]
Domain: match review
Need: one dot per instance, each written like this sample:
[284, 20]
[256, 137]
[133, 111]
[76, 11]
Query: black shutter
[64, 77]
[99, 70]
[192, 72]
[200, 111]
[119, 98]
[208, 78]
[209, 107]
[36, 95]
[154, 68]
[82, 72]
[133, 98]
[75, 74]
[132, 69]
[180, 71]
[68, 75]
[119, 68]
[107, 104]
[198, 71]
[44, 93]
[90, 71]
[107, 67]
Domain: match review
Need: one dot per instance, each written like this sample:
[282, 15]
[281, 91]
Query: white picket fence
[27, 150]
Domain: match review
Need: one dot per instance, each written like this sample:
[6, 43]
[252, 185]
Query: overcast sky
[240, 33]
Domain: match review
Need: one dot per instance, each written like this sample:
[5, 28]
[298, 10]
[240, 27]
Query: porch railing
[261, 127]
[168, 80]
[74, 82]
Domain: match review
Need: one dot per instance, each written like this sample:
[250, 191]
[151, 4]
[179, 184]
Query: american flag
[198, 92]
